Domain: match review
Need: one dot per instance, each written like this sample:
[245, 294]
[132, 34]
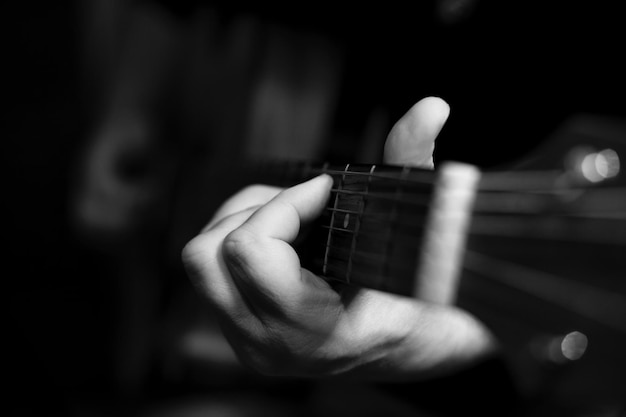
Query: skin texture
[282, 319]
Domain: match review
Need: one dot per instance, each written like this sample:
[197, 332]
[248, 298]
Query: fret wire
[346, 211]
[343, 180]
[329, 232]
[358, 223]
[333, 252]
[332, 220]
[338, 229]
[394, 220]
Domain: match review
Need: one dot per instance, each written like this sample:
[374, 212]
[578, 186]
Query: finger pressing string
[259, 256]
[282, 217]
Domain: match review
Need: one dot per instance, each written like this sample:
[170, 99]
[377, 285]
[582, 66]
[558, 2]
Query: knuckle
[199, 253]
[193, 249]
[238, 249]
[237, 244]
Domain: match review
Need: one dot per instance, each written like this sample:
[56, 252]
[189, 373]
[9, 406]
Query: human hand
[281, 319]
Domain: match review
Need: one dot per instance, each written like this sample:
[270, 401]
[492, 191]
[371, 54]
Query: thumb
[411, 141]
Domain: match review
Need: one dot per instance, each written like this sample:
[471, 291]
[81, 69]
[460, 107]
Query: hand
[281, 319]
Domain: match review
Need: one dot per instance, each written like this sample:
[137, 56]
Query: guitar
[537, 253]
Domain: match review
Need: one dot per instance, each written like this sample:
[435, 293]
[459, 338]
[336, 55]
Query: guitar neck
[538, 259]
[373, 227]
[414, 232]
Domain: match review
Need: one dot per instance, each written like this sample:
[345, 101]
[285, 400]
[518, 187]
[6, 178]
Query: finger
[411, 141]
[235, 219]
[259, 256]
[268, 273]
[282, 217]
[203, 260]
[253, 195]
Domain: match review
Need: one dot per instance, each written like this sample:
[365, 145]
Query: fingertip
[282, 216]
[411, 140]
[433, 106]
[325, 181]
[310, 197]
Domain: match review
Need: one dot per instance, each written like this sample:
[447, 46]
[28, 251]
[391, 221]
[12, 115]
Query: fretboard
[377, 224]
[359, 239]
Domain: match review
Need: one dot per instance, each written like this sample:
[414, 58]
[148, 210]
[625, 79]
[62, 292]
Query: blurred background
[125, 118]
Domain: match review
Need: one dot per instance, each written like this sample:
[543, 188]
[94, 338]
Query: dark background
[512, 72]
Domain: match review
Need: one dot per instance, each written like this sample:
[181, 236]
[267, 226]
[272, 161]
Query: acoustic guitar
[538, 253]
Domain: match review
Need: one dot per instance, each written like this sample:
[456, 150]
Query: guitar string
[538, 181]
[506, 199]
[563, 228]
[520, 181]
[610, 219]
[490, 181]
[615, 214]
[369, 256]
[591, 302]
